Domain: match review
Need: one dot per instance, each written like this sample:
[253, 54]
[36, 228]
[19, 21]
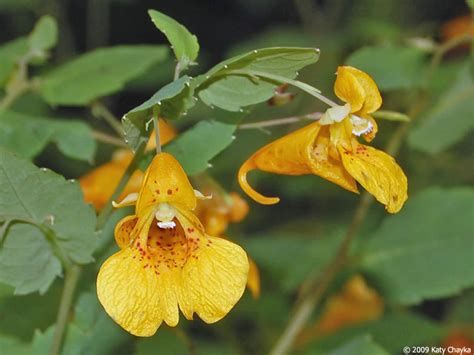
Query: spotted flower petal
[165, 182]
[378, 173]
[129, 293]
[214, 277]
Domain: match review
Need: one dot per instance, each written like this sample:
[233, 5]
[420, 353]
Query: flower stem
[156, 123]
[281, 121]
[71, 279]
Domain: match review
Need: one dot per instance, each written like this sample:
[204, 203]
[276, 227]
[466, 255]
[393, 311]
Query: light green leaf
[44, 35]
[450, 120]
[98, 73]
[170, 102]
[391, 116]
[10, 52]
[359, 345]
[219, 87]
[28, 135]
[198, 145]
[185, 45]
[392, 68]
[49, 220]
[410, 330]
[470, 3]
[424, 251]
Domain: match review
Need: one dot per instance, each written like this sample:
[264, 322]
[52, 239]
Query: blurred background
[410, 276]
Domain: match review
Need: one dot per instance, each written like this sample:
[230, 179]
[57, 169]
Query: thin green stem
[281, 121]
[177, 71]
[99, 110]
[282, 80]
[107, 210]
[156, 123]
[70, 284]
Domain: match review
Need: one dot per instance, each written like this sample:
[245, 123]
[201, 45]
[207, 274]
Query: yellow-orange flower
[329, 147]
[99, 184]
[216, 213]
[167, 261]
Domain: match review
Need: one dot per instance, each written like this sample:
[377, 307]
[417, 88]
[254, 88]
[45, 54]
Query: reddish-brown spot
[157, 191]
[169, 191]
[177, 189]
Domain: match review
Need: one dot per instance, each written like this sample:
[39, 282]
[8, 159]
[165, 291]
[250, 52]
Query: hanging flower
[329, 148]
[217, 212]
[356, 303]
[167, 262]
[99, 184]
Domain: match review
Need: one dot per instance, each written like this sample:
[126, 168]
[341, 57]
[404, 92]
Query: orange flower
[356, 303]
[329, 148]
[99, 184]
[457, 27]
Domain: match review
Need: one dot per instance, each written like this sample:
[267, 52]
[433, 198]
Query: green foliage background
[87, 59]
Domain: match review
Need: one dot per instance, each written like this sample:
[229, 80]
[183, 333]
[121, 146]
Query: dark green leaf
[185, 45]
[359, 345]
[98, 73]
[171, 101]
[28, 135]
[51, 222]
[391, 67]
[449, 121]
[44, 35]
[423, 251]
[219, 87]
[198, 145]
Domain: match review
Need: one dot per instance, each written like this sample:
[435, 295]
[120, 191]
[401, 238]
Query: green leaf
[423, 252]
[470, 3]
[49, 220]
[9, 54]
[98, 73]
[359, 345]
[310, 253]
[198, 145]
[41, 311]
[410, 330]
[44, 35]
[391, 116]
[219, 87]
[171, 101]
[392, 68]
[450, 120]
[185, 45]
[28, 136]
